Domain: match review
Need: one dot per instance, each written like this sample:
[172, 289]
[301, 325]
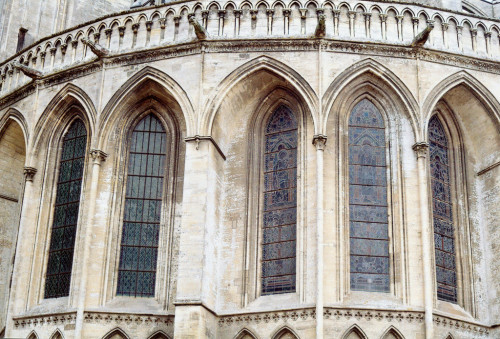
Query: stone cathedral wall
[213, 72]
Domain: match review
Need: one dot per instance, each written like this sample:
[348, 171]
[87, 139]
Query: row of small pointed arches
[354, 332]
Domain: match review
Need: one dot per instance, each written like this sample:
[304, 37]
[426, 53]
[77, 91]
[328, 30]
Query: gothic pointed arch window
[280, 203]
[67, 205]
[442, 212]
[368, 200]
[142, 211]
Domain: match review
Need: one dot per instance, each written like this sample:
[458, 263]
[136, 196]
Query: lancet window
[442, 212]
[368, 201]
[142, 212]
[280, 203]
[69, 186]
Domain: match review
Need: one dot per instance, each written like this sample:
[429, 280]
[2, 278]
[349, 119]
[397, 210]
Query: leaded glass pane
[442, 214]
[143, 198]
[368, 215]
[63, 232]
[280, 203]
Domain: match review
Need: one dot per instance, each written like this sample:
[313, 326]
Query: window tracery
[280, 203]
[142, 212]
[368, 201]
[442, 212]
[67, 205]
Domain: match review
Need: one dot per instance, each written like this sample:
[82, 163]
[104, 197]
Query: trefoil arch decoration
[66, 211]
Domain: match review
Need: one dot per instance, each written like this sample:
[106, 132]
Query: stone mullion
[473, 33]
[286, 20]
[445, 27]
[352, 27]
[399, 19]
[222, 14]
[487, 37]
[415, 21]
[237, 21]
[368, 18]
[336, 19]
[459, 37]
[270, 14]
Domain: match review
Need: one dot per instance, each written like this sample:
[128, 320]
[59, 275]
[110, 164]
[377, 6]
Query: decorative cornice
[461, 325]
[319, 141]
[266, 317]
[127, 318]
[46, 319]
[29, 173]
[421, 149]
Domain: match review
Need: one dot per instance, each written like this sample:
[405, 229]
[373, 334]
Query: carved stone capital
[135, 27]
[445, 26]
[320, 11]
[222, 13]
[108, 32]
[74, 43]
[287, 12]
[53, 51]
[29, 173]
[336, 13]
[487, 35]
[253, 14]
[421, 149]
[415, 20]
[270, 12]
[177, 19]
[383, 17]
[121, 31]
[97, 35]
[191, 15]
[303, 13]
[237, 13]
[204, 14]
[163, 22]
[149, 24]
[319, 141]
[399, 18]
[368, 16]
[473, 32]
[98, 156]
[64, 48]
[352, 14]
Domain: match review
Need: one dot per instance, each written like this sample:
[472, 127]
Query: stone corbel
[149, 25]
[319, 141]
[121, 31]
[98, 156]
[253, 14]
[135, 27]
[421, 149]
[303, 13]
[29, 173]
[237, 13]
[97, 36]
[28, 71]
[64, 48]
[97, 49]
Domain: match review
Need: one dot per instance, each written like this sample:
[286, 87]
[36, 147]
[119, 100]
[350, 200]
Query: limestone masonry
[249, 169]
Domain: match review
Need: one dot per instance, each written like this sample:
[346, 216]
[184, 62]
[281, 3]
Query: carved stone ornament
[28, 71]
[97, 49]
[98, 156]
[421, 149]
[29, 173]
[319, 141]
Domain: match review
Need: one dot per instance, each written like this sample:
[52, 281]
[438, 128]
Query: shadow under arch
[285, 333]
[116, 333]
[13, 114]
[480, 91]
[375, 70]
[57, 335]
[58, 111]
[159, 335]
[32, 335]
[148, 81]
[392, 333]
[245, 71]
[245, 334]
[354, 332]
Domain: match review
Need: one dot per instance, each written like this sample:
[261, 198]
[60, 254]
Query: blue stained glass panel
[63, 232]
[442, 206]
[142, 212]
[368, 214]
[280, 203]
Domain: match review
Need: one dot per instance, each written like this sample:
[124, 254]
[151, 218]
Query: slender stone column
[473, 33]
[19, 292]
[98, 157]
[352, 27]
[383, 22]
[368, 17]
[445, 27]
[399, 19]
[320, 142]
[415, 20]
[237, 18]
[286, 14]
[222, 14]
[336, 19]
[421, 149]
[487, 37]
[459, 37]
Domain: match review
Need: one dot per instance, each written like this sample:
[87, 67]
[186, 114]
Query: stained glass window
[143, 199]
[368, 216]
[280, 203]
[442, 214]
[69, 186]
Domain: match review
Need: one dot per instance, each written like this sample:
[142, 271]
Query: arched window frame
[398, 269]
[52, 169]
[460, 211]
[255, 185]
[122, 135]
